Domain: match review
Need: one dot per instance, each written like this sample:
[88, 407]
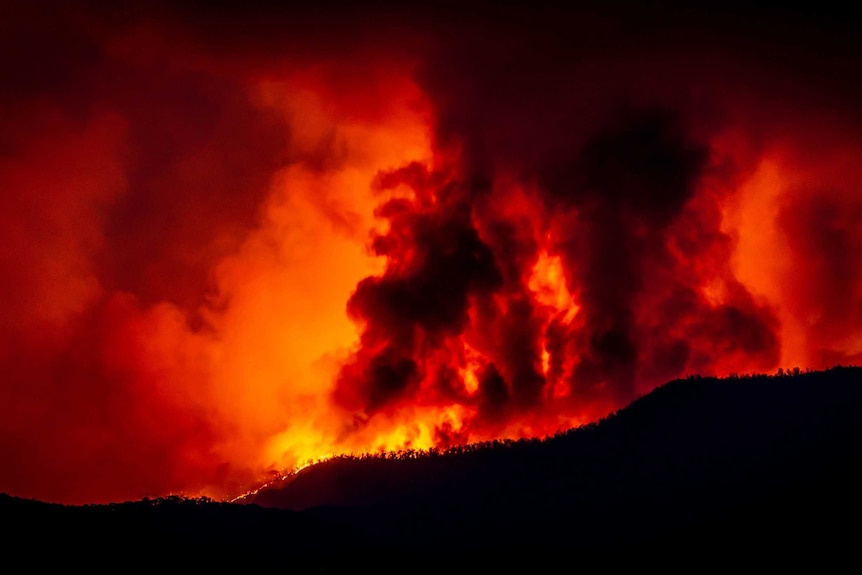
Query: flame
[284, 331]
[548, 283]
[469, 372]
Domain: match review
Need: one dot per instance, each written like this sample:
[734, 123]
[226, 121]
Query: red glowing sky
[238, 238]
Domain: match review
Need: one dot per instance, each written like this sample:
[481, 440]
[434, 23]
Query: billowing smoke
[239, 237]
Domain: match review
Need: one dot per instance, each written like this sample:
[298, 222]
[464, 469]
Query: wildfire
[471, 369]
[548, 283]
[233, 246]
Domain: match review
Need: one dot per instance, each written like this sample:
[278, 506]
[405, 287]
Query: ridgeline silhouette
[698, 472]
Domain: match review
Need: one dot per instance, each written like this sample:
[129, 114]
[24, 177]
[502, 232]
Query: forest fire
[232, 244]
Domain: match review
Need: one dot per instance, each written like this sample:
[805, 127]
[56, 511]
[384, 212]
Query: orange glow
[768, 259]
[762, 259]
[469, 372]
[285, 330]
[546, 361]
[548, 283]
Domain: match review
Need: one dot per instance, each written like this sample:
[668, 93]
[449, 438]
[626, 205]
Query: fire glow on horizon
[230, 247]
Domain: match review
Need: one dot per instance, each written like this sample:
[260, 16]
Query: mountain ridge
[753, 466]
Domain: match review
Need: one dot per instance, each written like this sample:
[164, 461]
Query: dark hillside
[746, 470]
[715, 462]
[168, 533]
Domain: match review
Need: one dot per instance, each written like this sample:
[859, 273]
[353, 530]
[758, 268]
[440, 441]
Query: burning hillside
[236, 239]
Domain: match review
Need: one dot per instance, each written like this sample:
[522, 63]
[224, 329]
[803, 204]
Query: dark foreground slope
[763, 465]
[699, 472]
[168, 533]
